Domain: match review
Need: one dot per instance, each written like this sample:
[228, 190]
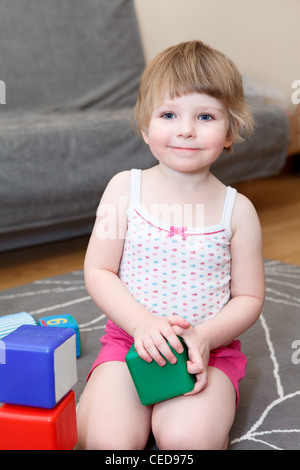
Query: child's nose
[186, 129]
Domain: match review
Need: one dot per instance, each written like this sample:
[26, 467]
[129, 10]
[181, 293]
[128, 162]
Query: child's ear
[228, 141]
[145, 137]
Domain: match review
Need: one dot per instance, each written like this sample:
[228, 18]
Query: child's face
[188, 133]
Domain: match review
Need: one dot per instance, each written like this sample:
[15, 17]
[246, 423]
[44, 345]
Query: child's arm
[101, 269]
[247, 292]
[247, 278]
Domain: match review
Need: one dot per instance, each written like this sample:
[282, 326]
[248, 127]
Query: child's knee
[181, 439]
[99, 435]
[114, 441]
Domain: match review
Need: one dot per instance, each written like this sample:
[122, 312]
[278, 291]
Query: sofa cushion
[60, 52]
[55, 167]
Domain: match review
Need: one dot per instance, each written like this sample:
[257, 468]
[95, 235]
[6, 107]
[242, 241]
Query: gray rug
[268, 415]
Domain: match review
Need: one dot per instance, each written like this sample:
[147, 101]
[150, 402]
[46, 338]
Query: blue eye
[205, 117]
[168, 115]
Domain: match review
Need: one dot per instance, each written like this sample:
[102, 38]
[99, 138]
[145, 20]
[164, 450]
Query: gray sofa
[71, 70]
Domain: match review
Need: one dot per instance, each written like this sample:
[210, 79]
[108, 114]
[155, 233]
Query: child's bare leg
[197, 422]
[110, 415]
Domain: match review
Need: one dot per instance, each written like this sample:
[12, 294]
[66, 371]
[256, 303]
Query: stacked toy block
[63, 321]
[9, 323]
[37, 372]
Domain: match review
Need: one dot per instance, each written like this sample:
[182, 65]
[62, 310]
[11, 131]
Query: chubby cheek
[156, 150]
[156, 138]
[215, 140]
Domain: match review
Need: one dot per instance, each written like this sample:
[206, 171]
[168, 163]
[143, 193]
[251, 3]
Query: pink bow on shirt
[177, 231]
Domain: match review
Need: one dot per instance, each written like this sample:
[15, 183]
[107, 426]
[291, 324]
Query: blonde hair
[194, 67]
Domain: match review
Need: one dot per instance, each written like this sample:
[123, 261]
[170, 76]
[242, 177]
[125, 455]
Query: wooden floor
[276, 199]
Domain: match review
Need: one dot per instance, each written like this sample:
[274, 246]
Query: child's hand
[198, 351]
[151, 336]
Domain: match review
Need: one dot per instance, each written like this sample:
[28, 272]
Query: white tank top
[177, 270]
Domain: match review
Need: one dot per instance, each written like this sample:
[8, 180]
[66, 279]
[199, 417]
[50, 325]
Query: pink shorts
[229, 359]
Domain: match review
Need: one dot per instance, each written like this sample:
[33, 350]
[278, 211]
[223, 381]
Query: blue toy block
[9, 323]
[39, 366]
[65, 321]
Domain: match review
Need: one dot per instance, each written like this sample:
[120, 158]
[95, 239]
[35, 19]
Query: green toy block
[156, 383]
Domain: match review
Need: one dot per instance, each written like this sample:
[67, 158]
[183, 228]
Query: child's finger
[175, 343]
[142, 352]
[195, 363]
[155, 350]
[178, 324]
[178, 321]
[200, 383]
[162, 347]
[194, 368]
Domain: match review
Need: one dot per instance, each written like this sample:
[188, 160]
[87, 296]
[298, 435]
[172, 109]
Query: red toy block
[28, 428]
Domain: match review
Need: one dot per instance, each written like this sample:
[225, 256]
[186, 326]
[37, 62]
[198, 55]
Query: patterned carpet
[268, 415]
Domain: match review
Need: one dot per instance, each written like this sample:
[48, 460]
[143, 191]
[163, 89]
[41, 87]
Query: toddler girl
[174, 252]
